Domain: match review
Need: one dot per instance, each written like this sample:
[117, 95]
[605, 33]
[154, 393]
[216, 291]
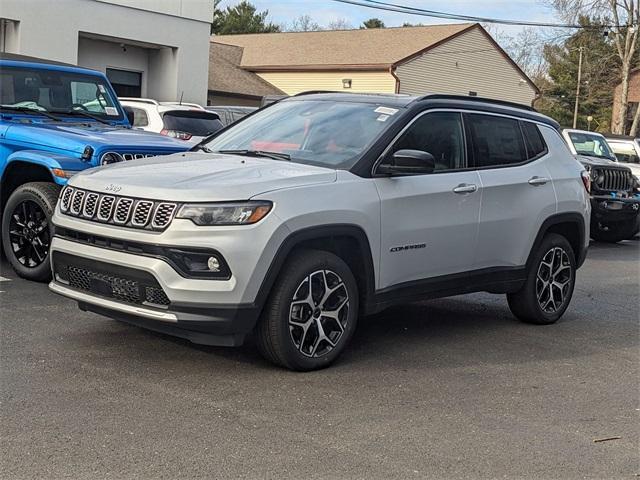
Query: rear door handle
[465, 188]
[537, 181]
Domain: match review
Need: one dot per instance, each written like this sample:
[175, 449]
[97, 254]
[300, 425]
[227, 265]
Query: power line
[392, 7]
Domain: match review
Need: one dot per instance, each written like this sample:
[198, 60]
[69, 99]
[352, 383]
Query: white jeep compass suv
[322, 208]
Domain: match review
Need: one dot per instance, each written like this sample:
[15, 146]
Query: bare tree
[636, 123]
[303, 23]
[625, 15]
[340, 24]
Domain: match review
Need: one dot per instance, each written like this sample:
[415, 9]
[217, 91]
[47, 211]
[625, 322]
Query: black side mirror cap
[409, 162]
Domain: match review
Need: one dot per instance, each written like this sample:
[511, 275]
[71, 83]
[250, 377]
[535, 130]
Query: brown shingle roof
[368, 48]
[225, 75]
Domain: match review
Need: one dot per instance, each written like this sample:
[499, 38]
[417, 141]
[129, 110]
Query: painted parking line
[3, 279]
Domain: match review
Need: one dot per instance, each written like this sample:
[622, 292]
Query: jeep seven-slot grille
[117, 210]
[612, 179]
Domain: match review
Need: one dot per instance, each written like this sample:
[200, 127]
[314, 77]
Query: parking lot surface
[453, 388]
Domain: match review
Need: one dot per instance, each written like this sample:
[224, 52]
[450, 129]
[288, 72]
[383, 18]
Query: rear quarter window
[533, 140]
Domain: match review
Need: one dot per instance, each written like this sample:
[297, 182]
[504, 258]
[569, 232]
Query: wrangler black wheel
[26, 229]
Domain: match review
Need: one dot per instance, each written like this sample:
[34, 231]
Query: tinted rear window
[533, 140]
[196, 123]
[497, 141]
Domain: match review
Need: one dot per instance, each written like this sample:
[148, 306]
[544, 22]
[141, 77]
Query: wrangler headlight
[244, 213]
[110, 157]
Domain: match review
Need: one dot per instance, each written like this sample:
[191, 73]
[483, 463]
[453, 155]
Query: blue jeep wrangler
[55, 120]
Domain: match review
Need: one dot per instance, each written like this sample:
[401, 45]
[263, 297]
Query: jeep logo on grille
[113, 188]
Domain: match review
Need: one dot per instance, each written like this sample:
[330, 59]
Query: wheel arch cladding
[571, 226]
[19, 172]
[349, 242]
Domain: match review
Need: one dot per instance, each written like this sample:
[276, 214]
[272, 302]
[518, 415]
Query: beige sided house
[460, 59]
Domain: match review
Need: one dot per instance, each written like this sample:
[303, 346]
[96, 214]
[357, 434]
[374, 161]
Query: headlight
[244, 213]
[110, 157]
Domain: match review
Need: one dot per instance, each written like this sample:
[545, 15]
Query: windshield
[591, 145]
[56, 92]
[626, 151]
[198, 123]
[317, 132]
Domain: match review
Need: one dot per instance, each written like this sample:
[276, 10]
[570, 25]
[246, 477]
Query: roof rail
[313, 92]
[476, 99]
[150, 101]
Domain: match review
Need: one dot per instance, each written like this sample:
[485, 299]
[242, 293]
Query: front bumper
[211, 325]
[115, 283]
[607, 209]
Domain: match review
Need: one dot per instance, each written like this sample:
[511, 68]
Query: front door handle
[537, 181]
[465, 188]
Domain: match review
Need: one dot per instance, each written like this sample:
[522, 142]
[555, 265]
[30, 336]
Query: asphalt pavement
[445, 389]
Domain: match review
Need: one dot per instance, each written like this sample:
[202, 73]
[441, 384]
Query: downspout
[392, 71]
[535, 99]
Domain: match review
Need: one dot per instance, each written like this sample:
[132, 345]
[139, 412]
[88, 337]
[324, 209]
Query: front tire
[548, 289]
[311, 313]
[27, 229]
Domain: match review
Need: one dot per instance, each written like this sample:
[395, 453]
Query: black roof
[14, 57]
[438, 101]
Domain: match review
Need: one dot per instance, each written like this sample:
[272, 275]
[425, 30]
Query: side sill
[498, 280]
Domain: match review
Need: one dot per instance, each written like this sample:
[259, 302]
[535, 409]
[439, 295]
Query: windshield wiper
[258, 153]
[30, 110]
[82, 113]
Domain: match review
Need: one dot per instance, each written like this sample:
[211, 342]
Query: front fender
[50, 161]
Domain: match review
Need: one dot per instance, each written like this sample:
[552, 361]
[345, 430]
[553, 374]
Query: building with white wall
[147, 48]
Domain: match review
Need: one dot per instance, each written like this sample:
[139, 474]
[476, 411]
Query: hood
[74, 137]
[200, 177]
[634, 167]
[598, 162]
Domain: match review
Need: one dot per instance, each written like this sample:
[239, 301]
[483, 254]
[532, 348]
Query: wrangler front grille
[612, 179]
[117, 210]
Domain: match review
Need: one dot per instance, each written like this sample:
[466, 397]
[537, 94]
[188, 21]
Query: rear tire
[27, 230]
[311, 313]
[548, 289]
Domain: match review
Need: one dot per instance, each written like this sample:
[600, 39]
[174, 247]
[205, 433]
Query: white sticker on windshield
[111, 110]
[382, 118]
[386, 111]
[102, 89]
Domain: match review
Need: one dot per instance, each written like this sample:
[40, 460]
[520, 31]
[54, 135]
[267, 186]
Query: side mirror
[408, 162]
[129, 113]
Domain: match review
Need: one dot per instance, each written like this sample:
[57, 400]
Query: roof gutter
[308, 68]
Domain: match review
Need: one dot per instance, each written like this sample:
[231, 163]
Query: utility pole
[575, 111]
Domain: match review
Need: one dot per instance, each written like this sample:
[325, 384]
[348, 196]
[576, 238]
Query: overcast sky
[326, 11]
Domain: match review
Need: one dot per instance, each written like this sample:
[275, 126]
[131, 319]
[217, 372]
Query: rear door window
[495, 141]
[140, 118]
